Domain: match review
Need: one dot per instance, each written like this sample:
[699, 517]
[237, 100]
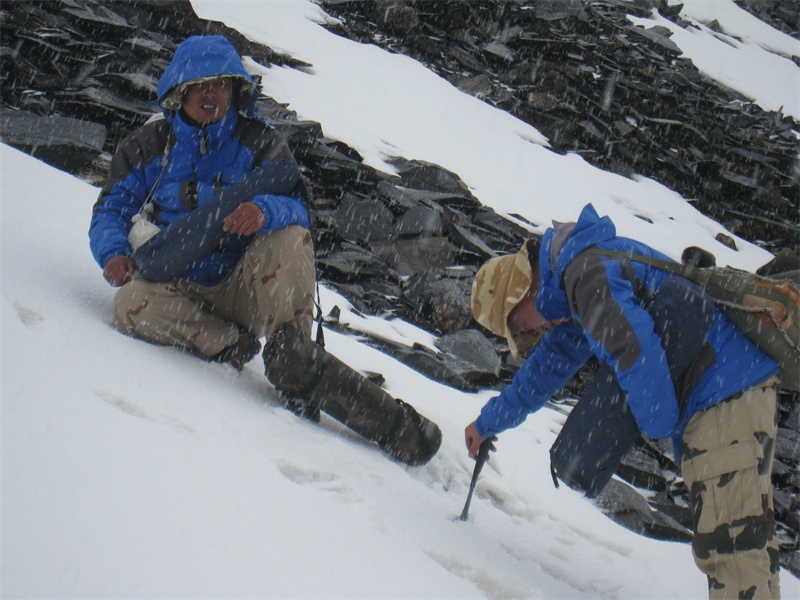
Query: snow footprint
[29, 317]
[560, 565]
[131, 408]
[482, 578]
[506, 501]
[326, 481]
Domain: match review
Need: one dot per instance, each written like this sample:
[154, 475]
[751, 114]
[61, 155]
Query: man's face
[207, 102]
[524, 317]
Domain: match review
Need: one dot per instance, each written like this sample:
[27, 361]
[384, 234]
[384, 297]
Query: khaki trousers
[726, 461]
[272, 284]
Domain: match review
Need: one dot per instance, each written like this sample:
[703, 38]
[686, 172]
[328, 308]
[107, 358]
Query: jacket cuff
[125, 251]
[483, 430]
[261, 202]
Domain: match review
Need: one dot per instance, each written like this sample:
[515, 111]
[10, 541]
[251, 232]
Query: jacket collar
[560, 245]
[206, 139]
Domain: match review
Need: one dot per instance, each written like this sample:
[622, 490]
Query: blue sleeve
[562, 351]
[111, 220]
[281, 211]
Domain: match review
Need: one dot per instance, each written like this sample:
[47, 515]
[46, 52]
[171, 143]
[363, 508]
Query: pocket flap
[715, 463]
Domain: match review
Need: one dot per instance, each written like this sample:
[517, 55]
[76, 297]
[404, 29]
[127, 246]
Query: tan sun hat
[499, 285]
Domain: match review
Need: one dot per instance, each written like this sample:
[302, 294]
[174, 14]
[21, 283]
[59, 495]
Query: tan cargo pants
[726, 461]
[272, 284]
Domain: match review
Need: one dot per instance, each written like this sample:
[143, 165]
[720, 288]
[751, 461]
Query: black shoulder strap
[659, 263]
[725, 284]
[705, 276]
[320, 333]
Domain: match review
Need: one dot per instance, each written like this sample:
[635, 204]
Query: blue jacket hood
[560, 245]
[203, 56]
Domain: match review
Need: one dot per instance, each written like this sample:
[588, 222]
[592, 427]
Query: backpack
[764, 305]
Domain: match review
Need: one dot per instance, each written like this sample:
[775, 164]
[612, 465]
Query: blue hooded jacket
[602, 299]
[178, 166]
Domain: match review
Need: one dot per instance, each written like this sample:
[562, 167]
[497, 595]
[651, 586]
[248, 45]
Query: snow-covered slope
[130, 470]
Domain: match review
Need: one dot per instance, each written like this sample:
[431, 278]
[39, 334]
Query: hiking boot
[300, 368]
[303, 408]
[292, 371]
[412, 439]
[240, 352]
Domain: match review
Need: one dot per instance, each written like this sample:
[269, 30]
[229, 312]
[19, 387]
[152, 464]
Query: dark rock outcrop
[618, 94]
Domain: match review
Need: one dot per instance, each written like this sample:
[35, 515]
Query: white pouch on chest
[142, 230]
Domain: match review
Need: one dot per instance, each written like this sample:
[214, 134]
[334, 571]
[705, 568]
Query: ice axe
[483, 453]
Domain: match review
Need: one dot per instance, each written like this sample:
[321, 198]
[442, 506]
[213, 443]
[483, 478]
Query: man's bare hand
[245, 220]
[474, 440]
[118, 270]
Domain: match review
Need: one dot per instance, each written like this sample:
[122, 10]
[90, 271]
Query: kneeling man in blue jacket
[249, 279]
[208, 138]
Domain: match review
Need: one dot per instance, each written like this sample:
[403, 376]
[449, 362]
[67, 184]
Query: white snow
[136, 471]
[744, 53]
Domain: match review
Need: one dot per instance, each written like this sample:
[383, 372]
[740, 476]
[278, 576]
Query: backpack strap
[725, 279]
[659, 263]
[728, 286]
[320, 333]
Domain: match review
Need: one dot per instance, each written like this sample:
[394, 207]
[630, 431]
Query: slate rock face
[624, 505]
[81, 74]
[618, 94]
[64, 142]
[471, 352]
[99, 62]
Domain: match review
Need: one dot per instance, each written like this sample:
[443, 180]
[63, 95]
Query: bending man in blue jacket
[720, 409]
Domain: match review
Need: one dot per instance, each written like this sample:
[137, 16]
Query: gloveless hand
[246, 219]
[118, 270]
[473, 440]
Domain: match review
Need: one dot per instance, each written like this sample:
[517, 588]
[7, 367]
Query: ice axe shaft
[483, 453]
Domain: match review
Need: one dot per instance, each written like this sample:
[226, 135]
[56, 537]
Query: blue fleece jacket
[178, 166]
[602, 298]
